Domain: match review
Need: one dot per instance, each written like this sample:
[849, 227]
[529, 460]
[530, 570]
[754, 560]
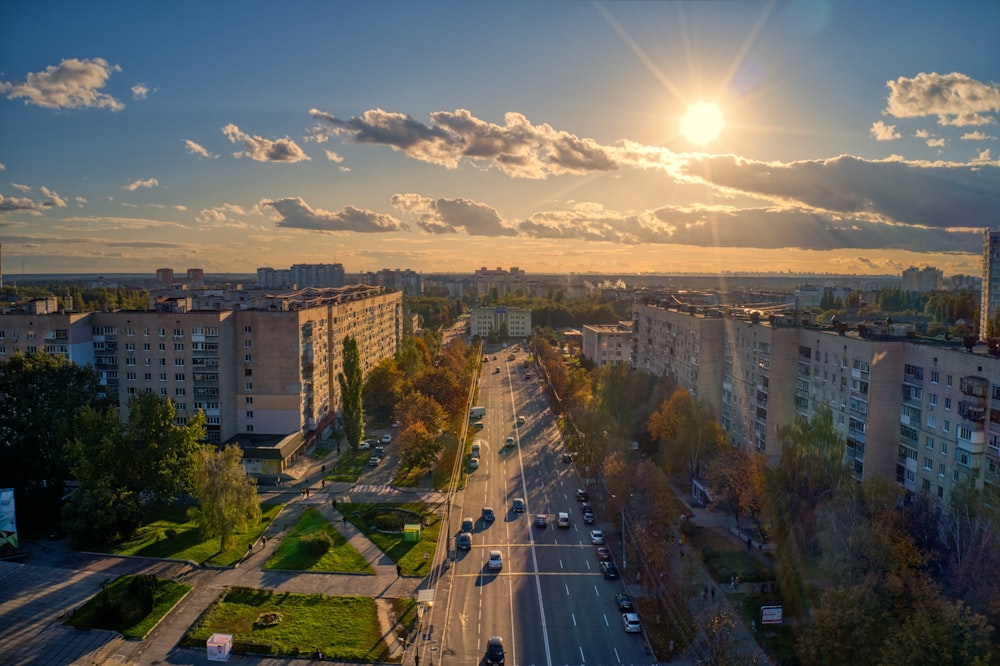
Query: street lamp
[624, 560]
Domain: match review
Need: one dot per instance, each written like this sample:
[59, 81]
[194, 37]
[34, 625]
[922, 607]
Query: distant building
[165, 276]
[515, 321]
[300, 276]
[922, 280]
[608, 344]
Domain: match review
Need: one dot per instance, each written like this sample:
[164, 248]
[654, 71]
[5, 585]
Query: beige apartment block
[608, 344]
[270, 368]
[685, 345]
[485, 321]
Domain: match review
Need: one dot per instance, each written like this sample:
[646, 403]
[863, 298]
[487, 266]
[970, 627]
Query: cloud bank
[72, 84]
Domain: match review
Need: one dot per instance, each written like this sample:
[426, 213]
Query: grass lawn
[292, 554]
[343, 628]
[349, 466]
[170, 535]
[725, 560]
[409, 555]
[124, 614]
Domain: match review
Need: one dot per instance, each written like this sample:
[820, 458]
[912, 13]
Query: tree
[226, 494]
[40, 395]
[687, 431]
[416, 408]
[383, 387]
[419, 447]
[122, 468]
[736, 478]
[351, 385]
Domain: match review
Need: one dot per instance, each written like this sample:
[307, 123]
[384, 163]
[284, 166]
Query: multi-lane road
[550, 602]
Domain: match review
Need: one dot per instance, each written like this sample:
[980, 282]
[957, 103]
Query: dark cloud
[518, 148]
[295, 213]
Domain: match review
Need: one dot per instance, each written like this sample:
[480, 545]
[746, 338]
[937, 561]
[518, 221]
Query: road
[549, 603]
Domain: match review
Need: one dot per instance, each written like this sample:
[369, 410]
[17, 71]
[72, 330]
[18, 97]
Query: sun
[702, 123]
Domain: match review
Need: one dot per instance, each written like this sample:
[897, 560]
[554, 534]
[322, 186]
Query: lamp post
[624, 559]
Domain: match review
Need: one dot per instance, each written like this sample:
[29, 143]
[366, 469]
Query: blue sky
[858, 137]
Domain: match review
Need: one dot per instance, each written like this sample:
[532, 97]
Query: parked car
[373, 461]
[464, 541]
[597, 537]
[520, 420]
[624, 602]
[474, 463]
[468, 525]
[603, 554]
[589, 518]
[631, 623]
[365, 445]
[509, 441]
[386, 438]
[609, 570]
[518, 505]
[567, 457]
[488, 514]
[495, 563]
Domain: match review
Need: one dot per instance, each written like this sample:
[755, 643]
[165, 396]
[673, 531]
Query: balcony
[971, 411]
[974, 386]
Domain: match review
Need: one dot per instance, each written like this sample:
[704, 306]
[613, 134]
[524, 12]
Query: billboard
[8, 520]
[770, 614]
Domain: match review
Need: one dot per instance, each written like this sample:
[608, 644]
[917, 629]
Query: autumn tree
[226, 495]
[687, 432]
[736, 479]
[418, 447]
[351, 386]
[383, 387]
[416, 408]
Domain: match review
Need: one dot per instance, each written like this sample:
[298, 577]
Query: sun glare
[702, 122]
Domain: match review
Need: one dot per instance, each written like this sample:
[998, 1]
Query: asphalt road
[549, 603]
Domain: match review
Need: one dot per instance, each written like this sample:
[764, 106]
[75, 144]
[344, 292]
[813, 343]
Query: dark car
[567, 457]
[518, 505]
[609, 570]
[488, 515]
[589, 518]
[581, 495]
[625, 604]
[586, 506]
[604, 554]
[541, 520]
[494, 651]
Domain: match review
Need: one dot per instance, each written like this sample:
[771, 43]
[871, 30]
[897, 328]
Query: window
[128, 361]
[178, 332]
[247, 343]
[162, 347]
[248, 372]
[948, 381]
[146, 362]
[926, 485]
[162, 361]
[965, 432]
[947, 403]
[249, 414]
[931, 421]
[182, 406]
[130, 346]
[935, 377]
[249, 399]
[246, 329]
[250, 428]
[163, 391]
[947, 425]
[930, 443]
[145, 346]
[180, 392]
[130, 390]
[178, 376]
[248, 358]
[163, 376]
[928, 463]
[941, 469]
[130, 376]
[178, 346]
[148, 376]
[248, 386]
[944, 448]
[932, 399]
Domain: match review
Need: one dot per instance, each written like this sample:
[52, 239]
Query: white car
[631, 623]
[386, 438]
[520, 420]
[495, 562]
[597, 537]
[509, 441]
[364, 446]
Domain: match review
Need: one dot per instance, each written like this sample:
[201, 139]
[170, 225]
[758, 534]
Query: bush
[388, 522]
[170, 532]
[316, 545]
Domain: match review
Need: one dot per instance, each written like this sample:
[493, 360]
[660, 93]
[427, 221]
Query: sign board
[770, 614]
[8, 519]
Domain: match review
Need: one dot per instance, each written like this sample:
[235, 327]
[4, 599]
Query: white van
[562, 520]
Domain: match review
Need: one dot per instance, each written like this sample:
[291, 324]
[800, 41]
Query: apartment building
[486, 321]
[925, 413]
[608, 344]
[268, 369]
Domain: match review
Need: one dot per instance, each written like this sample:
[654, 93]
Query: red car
[604, 554]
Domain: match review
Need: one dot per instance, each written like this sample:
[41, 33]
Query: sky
[828, 136]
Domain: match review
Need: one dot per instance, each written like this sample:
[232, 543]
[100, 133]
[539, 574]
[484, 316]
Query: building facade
[267, 369]
[990, 300]
[608, 344]
[492, 321]
[300, 276]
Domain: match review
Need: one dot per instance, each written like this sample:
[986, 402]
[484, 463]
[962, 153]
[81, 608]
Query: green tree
[226, 494]
[122, 468]
[383, 387]
[351, 386]
[40, 395]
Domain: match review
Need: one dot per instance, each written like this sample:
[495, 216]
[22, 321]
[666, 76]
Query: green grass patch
[723, 559]
[301, 549]
[343, 628]
[351, 464]
[131, 605]
[169, 534]
[378, 522]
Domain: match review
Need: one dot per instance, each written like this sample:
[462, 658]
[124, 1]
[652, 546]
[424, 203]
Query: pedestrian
[249, 547]
[399, 571]
[345, 520]
[749, 543]
[263, 541]
[416, 660]
[322, 483]
[323, 468]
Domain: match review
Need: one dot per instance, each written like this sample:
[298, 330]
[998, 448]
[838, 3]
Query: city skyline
[558, 137]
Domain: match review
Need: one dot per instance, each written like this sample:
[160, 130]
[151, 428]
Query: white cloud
[226, 215]
[447, 216]
[977, 136]
[283, 150]
[22, 188]
[71, 84]
[935, 143]
[3, 167]
[883, 132]
[197, 149]
[983, 156]
[140, 91]
[334, 157]
[297, 214]
[148, 183]
[955, 98]
[54, 199]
